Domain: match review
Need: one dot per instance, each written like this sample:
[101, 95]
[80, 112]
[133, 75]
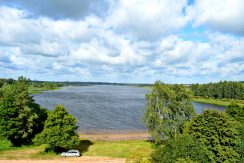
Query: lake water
[104, 107]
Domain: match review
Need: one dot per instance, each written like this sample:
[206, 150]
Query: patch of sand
[120, 135]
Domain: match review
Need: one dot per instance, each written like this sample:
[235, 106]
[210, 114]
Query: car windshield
[72, 152]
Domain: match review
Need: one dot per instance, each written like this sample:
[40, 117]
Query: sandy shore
[115, 135]
[83, 159]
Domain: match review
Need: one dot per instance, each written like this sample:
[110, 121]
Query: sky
[128, 41]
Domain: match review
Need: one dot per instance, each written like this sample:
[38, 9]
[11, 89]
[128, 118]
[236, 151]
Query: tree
[233, 90]
[184, 147]
[20, 117]
[59, 130]
[218, 132]
[237, 112]
[168, 108]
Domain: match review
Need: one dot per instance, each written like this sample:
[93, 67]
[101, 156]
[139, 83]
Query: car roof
[72, 150]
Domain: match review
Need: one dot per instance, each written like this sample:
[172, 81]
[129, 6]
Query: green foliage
[183, 148]
[59, 130]
[237, 112]
[134, 157]
[231, 90]
[168, 108]
[218, 132]
[5, 144]
[137, 156]
[20, 117]
[6, 81]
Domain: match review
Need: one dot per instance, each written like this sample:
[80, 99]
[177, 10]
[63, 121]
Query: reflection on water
[104, 108]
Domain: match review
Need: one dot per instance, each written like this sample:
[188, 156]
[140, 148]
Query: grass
[119, 149]
[220, 102]
[113, 149]
[34, 90]
[27, 152]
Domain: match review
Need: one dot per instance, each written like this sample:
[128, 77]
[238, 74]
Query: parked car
[71, 153]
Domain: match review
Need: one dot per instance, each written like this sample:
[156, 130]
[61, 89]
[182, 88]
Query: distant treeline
[54, 84]
[6, 81]
[222, 89]
[45, 84]
[35, 84]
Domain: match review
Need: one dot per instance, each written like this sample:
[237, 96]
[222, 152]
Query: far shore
[115, 135]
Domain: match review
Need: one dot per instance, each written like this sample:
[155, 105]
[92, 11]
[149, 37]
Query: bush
[182, 148]
[5, 144]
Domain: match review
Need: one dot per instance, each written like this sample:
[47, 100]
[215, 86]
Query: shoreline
[219, 102]
[115, 135]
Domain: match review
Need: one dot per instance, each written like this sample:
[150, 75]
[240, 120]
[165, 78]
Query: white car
[71, 153]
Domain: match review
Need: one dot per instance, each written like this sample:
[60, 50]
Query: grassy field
[221, 102]
[119, 149]
[113, 149]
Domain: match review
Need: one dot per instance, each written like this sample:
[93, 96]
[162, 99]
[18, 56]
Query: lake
[104, 107]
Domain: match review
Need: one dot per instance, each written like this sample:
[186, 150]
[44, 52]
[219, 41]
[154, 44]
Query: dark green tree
[237, 112]
[183, 147]
[218, 132]
[59, 130]
[20, 117]
[168, 108]
[220, 90]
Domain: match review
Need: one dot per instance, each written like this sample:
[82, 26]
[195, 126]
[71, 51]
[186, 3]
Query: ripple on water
[103, 108]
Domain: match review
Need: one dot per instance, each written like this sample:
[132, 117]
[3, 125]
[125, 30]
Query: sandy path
[83, 159]
[127, 135]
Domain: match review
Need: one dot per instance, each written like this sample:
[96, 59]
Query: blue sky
[131, 41]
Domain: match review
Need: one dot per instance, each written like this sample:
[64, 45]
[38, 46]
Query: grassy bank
[35, 90]
[113, 149]
[220, 102]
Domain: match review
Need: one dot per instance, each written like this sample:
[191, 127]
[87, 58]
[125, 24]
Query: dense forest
[220, 90]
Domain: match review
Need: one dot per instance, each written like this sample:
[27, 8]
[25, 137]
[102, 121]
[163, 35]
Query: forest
[220, 90]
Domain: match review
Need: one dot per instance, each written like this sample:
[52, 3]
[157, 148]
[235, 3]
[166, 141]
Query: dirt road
[83, 159]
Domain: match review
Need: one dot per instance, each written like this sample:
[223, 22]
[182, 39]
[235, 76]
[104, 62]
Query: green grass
[119, 149]
[27, 152]
[34, 90]
[220, 102]
[113, 149]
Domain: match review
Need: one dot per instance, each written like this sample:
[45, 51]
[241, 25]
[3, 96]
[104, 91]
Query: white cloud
[147, 19]
[220, 15]
[89, 49]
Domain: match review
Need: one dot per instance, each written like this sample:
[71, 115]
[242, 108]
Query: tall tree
[19, 115]
[59, 130]
[218, 132]
[237, 112]
[168, 108]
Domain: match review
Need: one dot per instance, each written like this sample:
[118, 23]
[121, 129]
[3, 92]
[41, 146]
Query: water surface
[104, 107]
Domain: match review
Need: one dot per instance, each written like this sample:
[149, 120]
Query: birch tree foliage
[168, 108]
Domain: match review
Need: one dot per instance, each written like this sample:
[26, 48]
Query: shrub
[182, 148]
